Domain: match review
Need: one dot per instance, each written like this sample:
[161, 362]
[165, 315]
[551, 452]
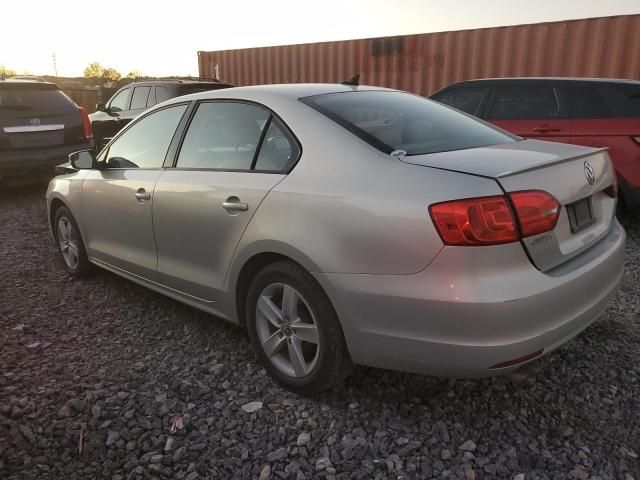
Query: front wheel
[70, 244]
[295, 330]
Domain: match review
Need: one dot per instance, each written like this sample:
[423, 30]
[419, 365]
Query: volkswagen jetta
[350, 225]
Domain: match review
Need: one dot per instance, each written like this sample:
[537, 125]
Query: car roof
[175, 82]
[293, 91]
[550, 79]
[31, 83]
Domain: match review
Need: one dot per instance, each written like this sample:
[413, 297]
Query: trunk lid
[564, 171]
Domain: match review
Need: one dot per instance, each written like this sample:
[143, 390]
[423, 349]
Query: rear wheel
[295, 330]
[70, 244]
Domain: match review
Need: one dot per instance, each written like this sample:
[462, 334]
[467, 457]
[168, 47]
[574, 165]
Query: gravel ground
[105, 379]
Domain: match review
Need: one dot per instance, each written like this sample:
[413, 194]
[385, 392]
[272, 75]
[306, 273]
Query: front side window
[119, 102]
[401, 121]
[524, 103]
[145, 143]
[140, 96]
[223, 136]
[467, 99]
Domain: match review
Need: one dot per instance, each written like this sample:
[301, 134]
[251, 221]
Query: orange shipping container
[423, 63]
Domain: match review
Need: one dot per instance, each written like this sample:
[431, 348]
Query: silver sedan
[350, 225]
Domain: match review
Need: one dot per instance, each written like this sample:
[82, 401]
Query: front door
[118, 197]
[530, 111]
[233, 154]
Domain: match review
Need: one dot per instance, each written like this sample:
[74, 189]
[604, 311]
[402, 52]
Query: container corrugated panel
[423, 63]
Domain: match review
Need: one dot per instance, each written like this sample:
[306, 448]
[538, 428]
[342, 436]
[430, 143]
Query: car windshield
[391, 121]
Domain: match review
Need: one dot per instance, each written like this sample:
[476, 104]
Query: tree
[6, 72]
[95, 70]
[135, 74]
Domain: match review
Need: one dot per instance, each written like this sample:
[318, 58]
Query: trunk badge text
[589, 173]
[35, 122]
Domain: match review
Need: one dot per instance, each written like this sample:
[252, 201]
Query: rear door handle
[546, 128]
[142, 195]
[233, 204]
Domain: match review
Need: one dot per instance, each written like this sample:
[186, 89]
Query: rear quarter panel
[348, 208]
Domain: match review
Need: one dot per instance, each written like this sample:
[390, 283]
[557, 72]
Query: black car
[133, 99]
[39, 127]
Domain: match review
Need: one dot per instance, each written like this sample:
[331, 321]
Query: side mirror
[83, 160]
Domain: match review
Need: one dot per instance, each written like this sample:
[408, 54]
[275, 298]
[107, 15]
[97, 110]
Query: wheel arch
[251, 261]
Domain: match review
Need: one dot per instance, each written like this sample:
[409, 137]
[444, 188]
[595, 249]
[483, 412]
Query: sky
[161, 38]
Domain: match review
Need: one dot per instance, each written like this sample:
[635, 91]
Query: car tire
[70, 245]
[285, 342]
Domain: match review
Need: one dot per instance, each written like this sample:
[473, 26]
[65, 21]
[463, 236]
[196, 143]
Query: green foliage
[95, 70]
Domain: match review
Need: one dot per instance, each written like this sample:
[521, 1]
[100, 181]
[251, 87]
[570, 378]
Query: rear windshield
[29, 98]
[401, 121]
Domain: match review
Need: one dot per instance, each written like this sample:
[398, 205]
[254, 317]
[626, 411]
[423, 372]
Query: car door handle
[233, 204]
[546, 128]
[142, 195]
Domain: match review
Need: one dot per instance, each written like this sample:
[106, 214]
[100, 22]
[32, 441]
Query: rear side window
[140, 96]
[586, 102]
[278, 150]
[16, 99]
[223, 136]
[467, 99]
[524, 103]
[162, 94]
[400, 121]
[622, 99]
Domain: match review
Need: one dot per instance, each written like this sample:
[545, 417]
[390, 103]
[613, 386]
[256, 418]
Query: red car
[593, 112]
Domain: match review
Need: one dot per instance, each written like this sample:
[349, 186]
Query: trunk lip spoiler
[556, 162]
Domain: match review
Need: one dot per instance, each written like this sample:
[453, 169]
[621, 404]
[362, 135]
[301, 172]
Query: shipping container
[424, 63]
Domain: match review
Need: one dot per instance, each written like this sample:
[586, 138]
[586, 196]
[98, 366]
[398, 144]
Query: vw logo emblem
[35, 122]
[589, 173]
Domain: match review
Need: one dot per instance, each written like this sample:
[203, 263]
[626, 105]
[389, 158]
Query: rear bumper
[19, 162]
[470, 310]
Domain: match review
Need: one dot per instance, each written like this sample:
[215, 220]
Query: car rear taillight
[86, 124]
[475, 221]
[495, 220]
[537, 211]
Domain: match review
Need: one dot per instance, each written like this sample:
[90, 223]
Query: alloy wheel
[287, 330]
[68, 242]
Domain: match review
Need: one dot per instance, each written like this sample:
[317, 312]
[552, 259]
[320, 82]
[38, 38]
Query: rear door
[37, 115]
[117, 199]
[138, 104]
[232, 155]
[530, 110]
[608, 115]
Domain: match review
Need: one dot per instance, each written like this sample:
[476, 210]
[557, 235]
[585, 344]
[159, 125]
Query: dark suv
[134, 98]
[585, 111]
[39, 127]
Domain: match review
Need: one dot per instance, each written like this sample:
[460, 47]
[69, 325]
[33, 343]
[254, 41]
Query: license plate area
[581, 215]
